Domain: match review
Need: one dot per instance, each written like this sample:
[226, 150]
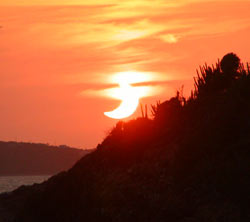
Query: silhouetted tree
[230, 63]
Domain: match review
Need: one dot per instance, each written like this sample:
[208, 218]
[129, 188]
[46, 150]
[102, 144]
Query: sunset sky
[58, 58]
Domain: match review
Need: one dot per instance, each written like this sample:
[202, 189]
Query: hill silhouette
[190, 162]
[18, 158]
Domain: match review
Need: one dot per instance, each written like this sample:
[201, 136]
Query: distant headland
[19, 158]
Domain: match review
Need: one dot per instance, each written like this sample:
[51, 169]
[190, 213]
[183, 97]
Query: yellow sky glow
[53, 51]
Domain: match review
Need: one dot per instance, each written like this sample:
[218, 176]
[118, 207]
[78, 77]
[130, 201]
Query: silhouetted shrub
[213, 80]
[209, 80]
[168, 109]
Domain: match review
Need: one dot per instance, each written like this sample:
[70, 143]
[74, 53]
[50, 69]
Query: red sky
[51, 53]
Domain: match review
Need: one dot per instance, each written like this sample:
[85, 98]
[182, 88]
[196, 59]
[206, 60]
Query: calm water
[10, 183]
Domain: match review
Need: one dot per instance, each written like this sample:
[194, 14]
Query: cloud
[91, 40]
[169, 38]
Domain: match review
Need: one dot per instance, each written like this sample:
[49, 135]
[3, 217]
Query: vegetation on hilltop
[190, 162]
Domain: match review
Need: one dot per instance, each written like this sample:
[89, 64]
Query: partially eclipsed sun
[128, 105]
[128, 94]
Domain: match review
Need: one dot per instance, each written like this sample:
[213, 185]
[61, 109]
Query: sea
[10, 183]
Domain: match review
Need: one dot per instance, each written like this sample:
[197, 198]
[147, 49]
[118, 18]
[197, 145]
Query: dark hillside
[190, 162]
[36, 159]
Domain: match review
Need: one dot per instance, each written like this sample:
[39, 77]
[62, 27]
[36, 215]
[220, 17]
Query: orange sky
[51, 53]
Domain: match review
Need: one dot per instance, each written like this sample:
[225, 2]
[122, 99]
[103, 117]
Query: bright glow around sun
[128, 94]
[131, 77]
[127, 91]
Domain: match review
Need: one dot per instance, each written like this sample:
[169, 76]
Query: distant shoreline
[10, 183]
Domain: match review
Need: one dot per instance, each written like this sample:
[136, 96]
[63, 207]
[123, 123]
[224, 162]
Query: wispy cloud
[98, 37]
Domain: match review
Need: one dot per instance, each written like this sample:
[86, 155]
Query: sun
[128, 94]
[130, 100]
